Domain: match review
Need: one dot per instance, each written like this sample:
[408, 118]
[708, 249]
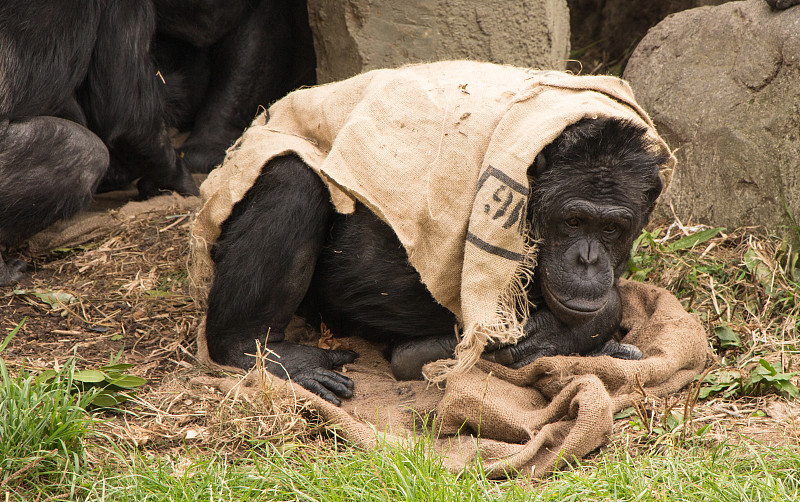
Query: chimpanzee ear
[538, 167]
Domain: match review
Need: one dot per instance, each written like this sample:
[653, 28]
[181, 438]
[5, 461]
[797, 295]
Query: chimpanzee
[782, 4]
[224, 59]
[81, 108]
[593, 189]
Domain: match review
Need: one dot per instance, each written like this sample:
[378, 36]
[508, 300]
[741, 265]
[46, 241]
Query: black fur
[285, 249]
[80, 107]
[222, 60]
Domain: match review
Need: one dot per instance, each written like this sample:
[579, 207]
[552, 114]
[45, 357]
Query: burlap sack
[109, 212]
[526, 421]
[440, 152]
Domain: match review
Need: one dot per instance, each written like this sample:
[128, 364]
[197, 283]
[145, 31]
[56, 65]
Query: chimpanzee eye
[611, 228]
[573, 222]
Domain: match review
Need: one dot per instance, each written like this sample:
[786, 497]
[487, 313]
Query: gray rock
[351, 36]
[604, 32]
[723, 86]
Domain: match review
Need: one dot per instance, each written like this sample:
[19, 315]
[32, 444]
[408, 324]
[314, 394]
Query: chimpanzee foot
[182, 182]
[619, 350]
[409, 357]
[11, 271]
[312, 368]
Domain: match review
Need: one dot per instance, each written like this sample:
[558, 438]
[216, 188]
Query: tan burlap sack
[526, 421]
[109, 212]
[440, 152]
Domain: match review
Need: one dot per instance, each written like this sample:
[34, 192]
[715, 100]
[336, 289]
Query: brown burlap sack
[526, 421]
[109, 212]
[440, 152]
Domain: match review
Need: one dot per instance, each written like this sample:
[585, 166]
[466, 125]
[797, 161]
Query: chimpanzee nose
[587, 253]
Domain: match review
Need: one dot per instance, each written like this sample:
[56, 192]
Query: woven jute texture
[527, 421]
[440, 152]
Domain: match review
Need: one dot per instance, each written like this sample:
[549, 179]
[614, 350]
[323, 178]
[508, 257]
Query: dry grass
[130, 296]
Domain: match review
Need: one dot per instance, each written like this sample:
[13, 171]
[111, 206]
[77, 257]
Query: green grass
[744, 289]
[45, 436]
[43, 424]
[746, 472]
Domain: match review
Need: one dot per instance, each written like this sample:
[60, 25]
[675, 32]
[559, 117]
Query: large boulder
[604, 32]
[723, 86]
[351, 36]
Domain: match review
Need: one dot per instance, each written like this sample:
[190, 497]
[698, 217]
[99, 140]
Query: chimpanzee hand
[619, 350]
[182, 182]
[544, 336]
[312, 368]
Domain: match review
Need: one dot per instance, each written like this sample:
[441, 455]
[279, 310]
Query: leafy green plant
[728, 339]
[766, 378]
[110, 384]
[762, 379]
[42, 426]
[725, 383]
[58, 301]
[695, 239]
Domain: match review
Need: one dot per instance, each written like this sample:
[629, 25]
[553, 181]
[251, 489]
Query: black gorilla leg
[250, 68]
[265, 259]
[49, 169]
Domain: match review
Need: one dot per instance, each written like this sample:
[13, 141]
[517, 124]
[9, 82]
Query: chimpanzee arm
[251, 66]
[265, 259]
[49, 169]
[548, 336]
[199, 22]
[123, 98]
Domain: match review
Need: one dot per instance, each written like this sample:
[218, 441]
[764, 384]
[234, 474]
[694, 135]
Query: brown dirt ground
[131, 300]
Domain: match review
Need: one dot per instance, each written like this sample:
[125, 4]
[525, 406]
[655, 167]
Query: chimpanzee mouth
[580, 311]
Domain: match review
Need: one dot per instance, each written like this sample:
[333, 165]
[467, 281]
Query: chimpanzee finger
[318, 389]
[339, 357]
[502, 356]
[619, 350]
[338, 383]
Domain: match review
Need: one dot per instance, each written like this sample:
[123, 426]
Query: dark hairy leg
[49, 170]
[124, 101]
[249, 67]
[265, 259]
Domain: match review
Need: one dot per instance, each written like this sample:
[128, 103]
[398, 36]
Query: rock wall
[604, 32]
[723, 86]
[351, 36]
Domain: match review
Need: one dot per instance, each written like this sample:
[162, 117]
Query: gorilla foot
[11, 271]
